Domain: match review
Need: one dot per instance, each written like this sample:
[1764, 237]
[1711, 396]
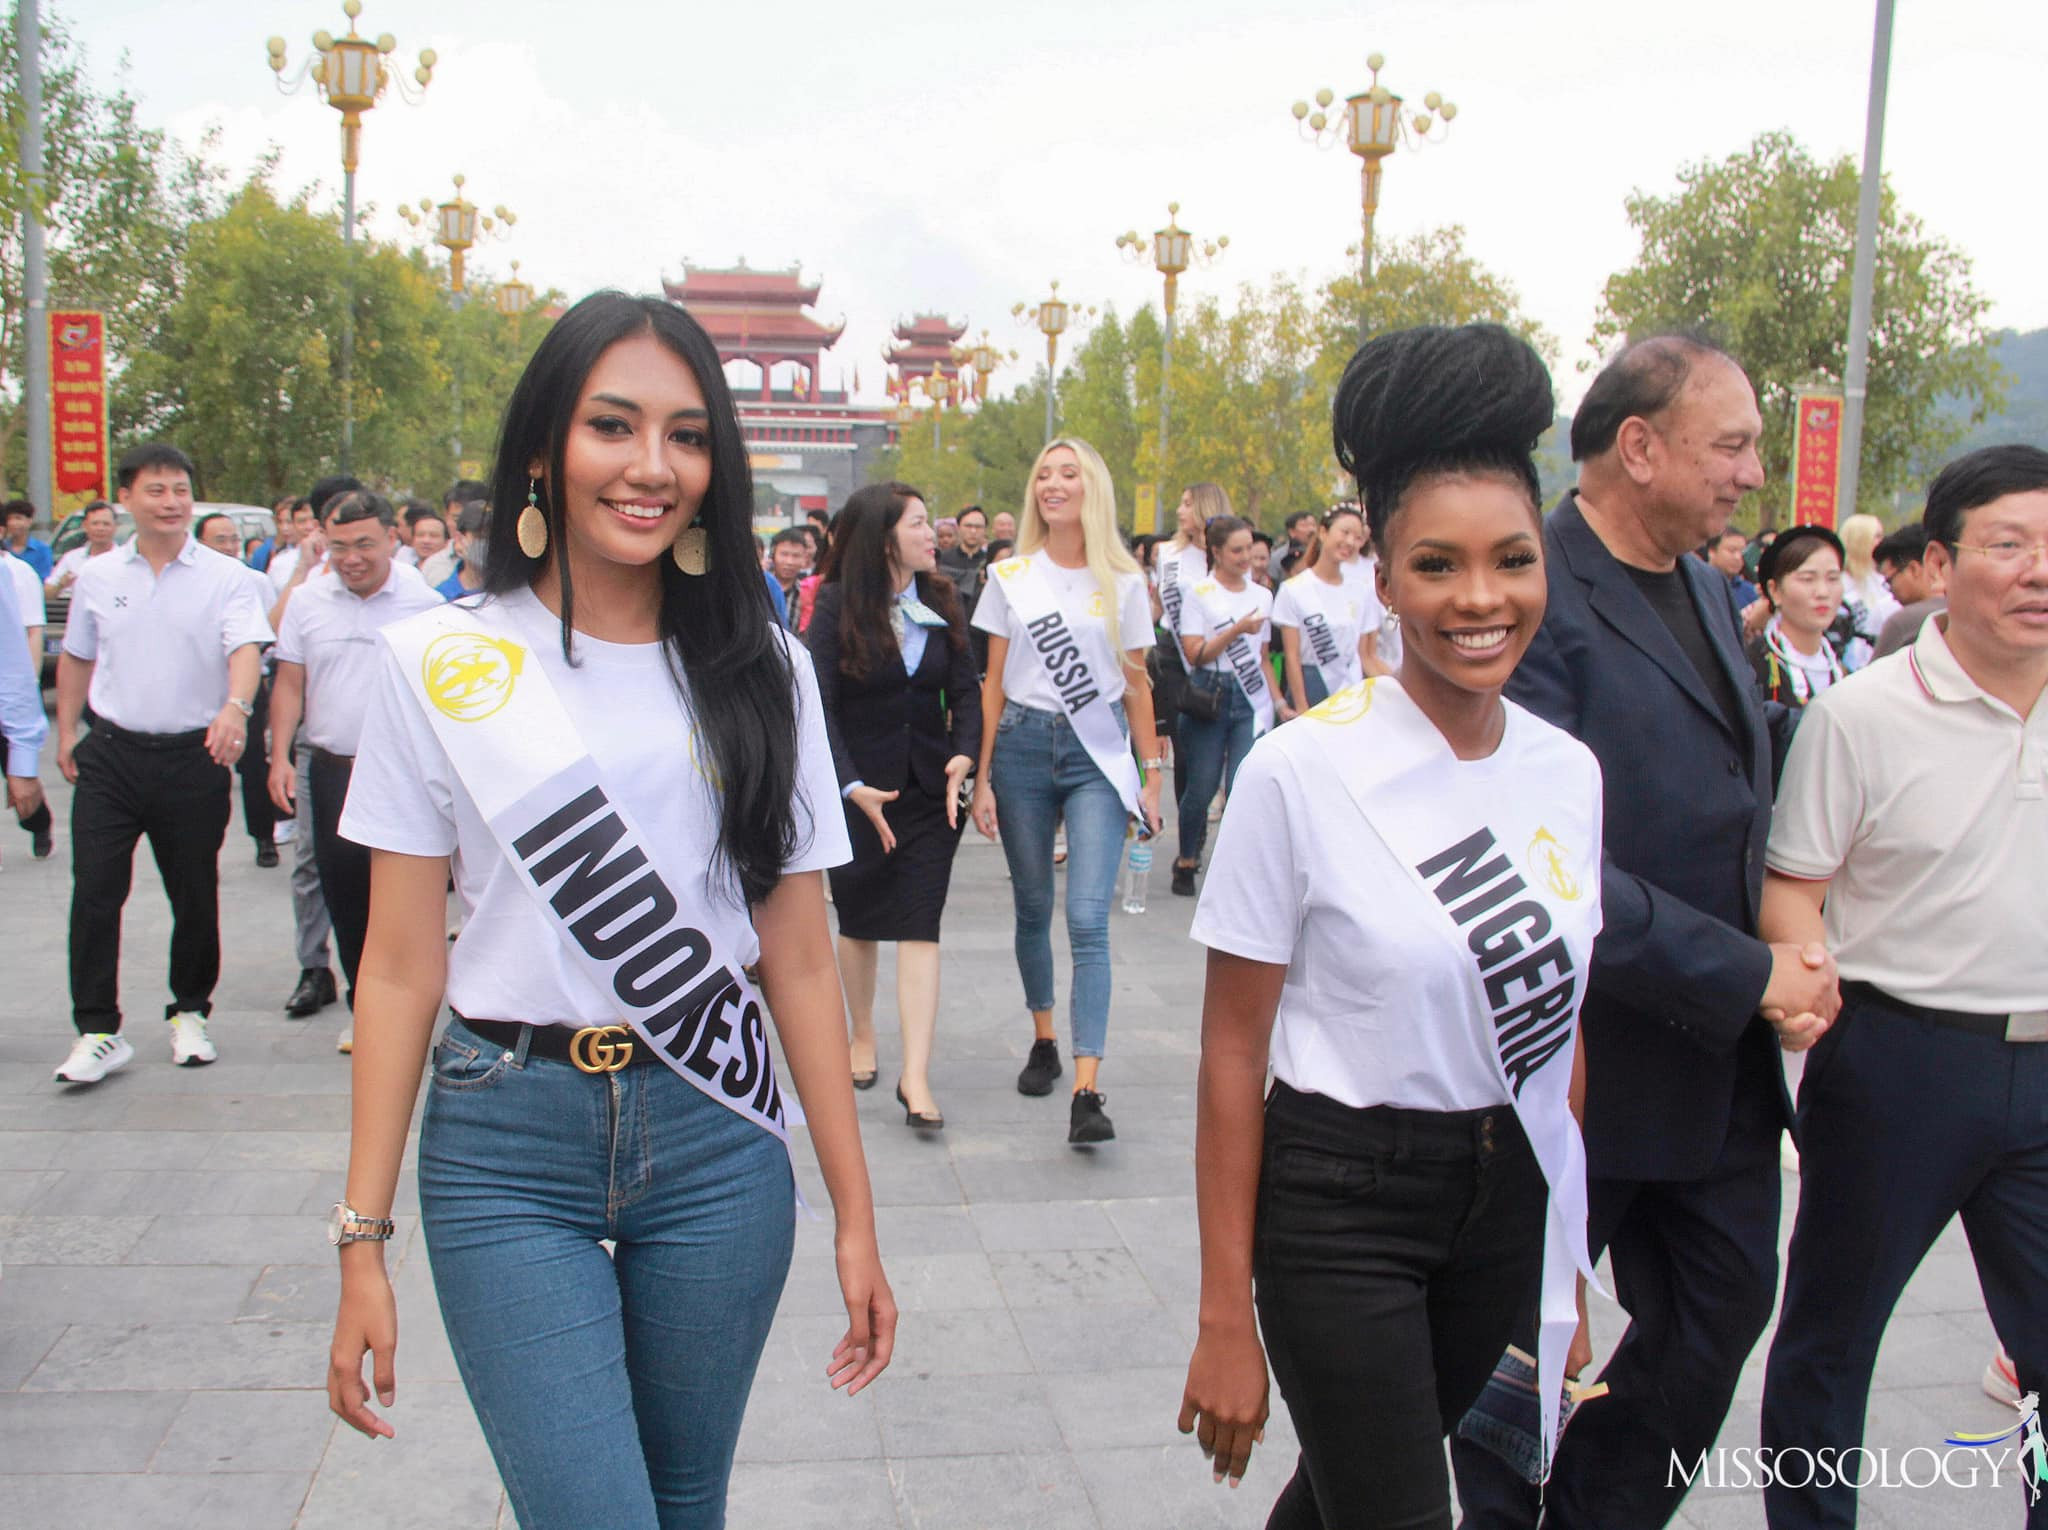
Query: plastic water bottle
[1137, 872]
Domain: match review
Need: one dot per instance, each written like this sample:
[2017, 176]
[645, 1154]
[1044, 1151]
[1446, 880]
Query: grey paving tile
[1058, 1277]
[965, 1343]
[293, 1293]
[89, 1432]
[782, 1425]
[943, 1282]
[34, 1150]
[1013, 1226]
[113, 1294]
[240, 1112]
[166, 1356]
[1169, 1487]
[154, 1501]
[924, 1230]
[247, 1432]
[22, 1348]
[1091, 1336]
[435, 1471]
[277, 1150]
[1117, 1407]
[1156, 1222]
[26, 1239]
[965, 1415]
[175, 1192]
[101, 1149]
[1040, 1490]
[812, 1495]
[292, 1239]
[21, 1188]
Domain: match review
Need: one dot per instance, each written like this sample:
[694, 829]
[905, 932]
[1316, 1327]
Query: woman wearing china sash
[1401, 911]
[1066, 695]
[626, 625]
[1326, 641]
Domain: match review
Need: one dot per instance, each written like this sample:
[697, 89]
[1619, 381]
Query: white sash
[1243, 660]
[1507, 909]
[1171, 593]
[1085, 696]
[666, 959]
[1338, 666]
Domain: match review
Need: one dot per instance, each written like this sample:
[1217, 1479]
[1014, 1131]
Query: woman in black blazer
[902, 704]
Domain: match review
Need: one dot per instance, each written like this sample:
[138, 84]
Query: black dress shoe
[1040, 1068]
[1086, 1124]
[1183, 881]
[40, 843]
[917, 1119]
[266, 852]
[314, 993]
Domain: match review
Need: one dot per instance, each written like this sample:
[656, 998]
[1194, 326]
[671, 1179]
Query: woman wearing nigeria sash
[622, 759]
[1400, 913]
[1066, 696]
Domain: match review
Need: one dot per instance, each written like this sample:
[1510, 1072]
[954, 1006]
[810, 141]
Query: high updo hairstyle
[1437, 402]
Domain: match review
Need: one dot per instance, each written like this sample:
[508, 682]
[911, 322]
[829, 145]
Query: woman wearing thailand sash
[890, 643]
[1401, 911]
[1223, 637]
[1325, 639]
[627, 634]
[1801, 576]
[1065, 698]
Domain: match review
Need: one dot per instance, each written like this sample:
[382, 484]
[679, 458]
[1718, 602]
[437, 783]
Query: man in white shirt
[259, 815]
[1910, 832]
[328, 659]
[163, 635]
[99, 538]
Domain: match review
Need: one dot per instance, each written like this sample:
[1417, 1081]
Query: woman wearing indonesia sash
[1326, 639]
[1065, 698]
[1400, 913]
[624, 762]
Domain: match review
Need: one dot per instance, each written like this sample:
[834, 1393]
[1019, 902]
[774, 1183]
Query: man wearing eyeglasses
[1910, 834]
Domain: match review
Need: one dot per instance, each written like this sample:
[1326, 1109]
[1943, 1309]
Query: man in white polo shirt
[1912, 828]
[163, 635]
[327, 662]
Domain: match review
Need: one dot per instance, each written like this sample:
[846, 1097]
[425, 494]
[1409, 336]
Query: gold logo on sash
[1010, 568]
[1097, 606]
[469, 675]
[1345, 706]
[593, 1050]
[1546, 864]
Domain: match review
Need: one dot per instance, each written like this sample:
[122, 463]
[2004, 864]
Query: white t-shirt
[72, 562]
[333, 633]
[1361, 575]
[28, 589]
[1340, 606]
[279, 569]
[1080, 597]
[1378, 1006]
[1923, 802]
[1210, 607]
[510, 963]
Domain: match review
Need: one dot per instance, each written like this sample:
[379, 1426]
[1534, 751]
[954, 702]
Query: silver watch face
[335, 1223]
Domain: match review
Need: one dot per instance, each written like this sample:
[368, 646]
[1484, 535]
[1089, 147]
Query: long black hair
[718, 628]
[863, 532]
[1432, 402]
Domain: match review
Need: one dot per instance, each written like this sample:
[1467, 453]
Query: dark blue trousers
[1904, 1123]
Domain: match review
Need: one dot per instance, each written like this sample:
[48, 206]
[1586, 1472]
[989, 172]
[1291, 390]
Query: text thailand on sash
[630, 712]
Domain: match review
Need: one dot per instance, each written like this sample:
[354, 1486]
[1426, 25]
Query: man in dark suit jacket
[1640, 657]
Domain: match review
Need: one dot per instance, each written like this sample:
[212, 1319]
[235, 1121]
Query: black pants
[132, 786]
[1392, 1253]
[1696, 1267]
[259, 813]
[1904, 1123]
[344, 864]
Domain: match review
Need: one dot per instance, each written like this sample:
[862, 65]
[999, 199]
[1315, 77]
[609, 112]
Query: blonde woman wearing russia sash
[1325, 638]
[1223, 635]
[623, 761]
[1066, 696]
[1402, 907]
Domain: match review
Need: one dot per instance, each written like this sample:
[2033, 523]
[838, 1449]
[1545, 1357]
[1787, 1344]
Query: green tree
[242, 372]
[1758, 249]
[485, 352]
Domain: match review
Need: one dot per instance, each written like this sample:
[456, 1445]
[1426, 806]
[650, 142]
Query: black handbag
[1203, 697]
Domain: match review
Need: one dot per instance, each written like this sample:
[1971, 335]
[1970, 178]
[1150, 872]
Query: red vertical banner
[80, 460]
[1816, 458]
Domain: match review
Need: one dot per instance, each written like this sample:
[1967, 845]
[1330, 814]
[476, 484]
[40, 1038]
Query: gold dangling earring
[692, 550]
[532, 529]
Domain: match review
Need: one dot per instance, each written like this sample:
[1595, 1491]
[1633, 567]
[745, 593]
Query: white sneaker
[345, 1043]
[2001, 1381]
[93, 1056]
[190, 1047]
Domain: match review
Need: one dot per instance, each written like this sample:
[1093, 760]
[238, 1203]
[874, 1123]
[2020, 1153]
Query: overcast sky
[957, 157]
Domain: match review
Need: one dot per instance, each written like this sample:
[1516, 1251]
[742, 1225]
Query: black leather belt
[129, 736]
[593, 1049]
[2023, 1026]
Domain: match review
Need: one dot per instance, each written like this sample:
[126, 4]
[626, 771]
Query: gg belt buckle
[593, 1050]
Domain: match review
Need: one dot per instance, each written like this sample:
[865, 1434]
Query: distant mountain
[2025, 416]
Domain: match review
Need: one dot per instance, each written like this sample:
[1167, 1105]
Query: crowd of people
[1545, 836]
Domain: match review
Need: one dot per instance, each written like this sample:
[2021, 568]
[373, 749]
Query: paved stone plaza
[168, 1295]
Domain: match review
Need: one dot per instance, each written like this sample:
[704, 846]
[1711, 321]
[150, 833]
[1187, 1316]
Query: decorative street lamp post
[1372, 126]
[1051, 317]
[514, 296]
[1173, 251]
[351, 76]
[458, 226]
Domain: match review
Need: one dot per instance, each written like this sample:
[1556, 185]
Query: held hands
[1225, 1403]
[983, 809]
[863, 1354]
[870, 802]
[367, 1320]
[1803, 996]
[226, 735]
[956, 772]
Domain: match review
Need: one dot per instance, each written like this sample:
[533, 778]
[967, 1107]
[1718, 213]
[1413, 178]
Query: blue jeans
[1212, 752]
[1039, 774]
[610, 1387]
